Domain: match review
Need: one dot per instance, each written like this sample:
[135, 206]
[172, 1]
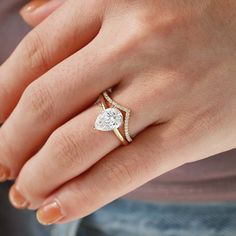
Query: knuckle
[67, 149]
[38, 100]
[84, 194]
[35, 52]
[31, 192]
[166, 20]
[144, 30]
[88, 196]
[132, 41]
[4, 96]
[116, 173]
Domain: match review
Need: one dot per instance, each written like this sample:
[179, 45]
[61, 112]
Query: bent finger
[76, 146]
[115, 175]
[44, 47]
[52, 100]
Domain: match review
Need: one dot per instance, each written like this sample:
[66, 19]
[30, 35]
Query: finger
[45, 46]
[53, 99]
[115, 175]
[72, 149]
[36, 11]
[153, 152]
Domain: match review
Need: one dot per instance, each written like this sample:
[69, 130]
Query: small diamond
[109, 119]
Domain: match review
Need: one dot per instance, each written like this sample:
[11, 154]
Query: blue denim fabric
[128, 218]
[131, 218]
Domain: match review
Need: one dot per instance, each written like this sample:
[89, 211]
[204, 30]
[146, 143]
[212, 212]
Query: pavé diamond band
[114, 118]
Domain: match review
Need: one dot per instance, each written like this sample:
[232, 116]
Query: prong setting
[124, 109]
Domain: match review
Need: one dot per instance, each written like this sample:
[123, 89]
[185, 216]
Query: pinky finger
[120, 172]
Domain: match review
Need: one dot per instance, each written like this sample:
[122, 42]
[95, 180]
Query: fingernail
[49, 214]
[32, 6]
[17, 199]
[4, 173]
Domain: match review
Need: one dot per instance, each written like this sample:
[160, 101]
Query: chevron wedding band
[114, 118]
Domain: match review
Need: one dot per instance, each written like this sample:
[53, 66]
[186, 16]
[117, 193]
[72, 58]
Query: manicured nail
[17, 199]
[4, 173]
[32, 6]
[49, 214]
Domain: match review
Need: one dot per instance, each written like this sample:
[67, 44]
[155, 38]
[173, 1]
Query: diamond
[127, 111]
[109, 119]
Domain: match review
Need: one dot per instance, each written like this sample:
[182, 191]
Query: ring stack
[114, 118]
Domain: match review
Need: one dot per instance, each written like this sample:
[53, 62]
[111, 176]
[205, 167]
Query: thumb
[36, 11]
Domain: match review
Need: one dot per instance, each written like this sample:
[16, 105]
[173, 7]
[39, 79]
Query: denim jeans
[128, 218]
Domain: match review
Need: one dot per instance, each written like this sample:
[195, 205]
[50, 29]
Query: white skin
[173, 63]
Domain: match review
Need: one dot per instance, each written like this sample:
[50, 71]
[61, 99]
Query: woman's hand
[171, 62]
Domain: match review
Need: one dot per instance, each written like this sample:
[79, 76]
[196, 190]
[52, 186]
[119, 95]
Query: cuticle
[57, 201]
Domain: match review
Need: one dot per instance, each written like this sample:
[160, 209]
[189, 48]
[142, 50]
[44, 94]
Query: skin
[172, 62]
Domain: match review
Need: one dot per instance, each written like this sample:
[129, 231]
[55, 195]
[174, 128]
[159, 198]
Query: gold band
[126, 112]
[116, 131]
[120, 136]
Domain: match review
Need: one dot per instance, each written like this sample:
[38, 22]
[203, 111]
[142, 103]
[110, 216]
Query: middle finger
[74, 148]
[53, 99]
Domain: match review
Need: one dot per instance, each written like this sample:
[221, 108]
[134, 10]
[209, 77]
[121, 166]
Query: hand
[172, 63]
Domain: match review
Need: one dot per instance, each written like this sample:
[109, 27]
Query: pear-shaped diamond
[109, 119]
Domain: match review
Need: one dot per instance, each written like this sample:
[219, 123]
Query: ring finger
[51, 100]
[73, 149]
